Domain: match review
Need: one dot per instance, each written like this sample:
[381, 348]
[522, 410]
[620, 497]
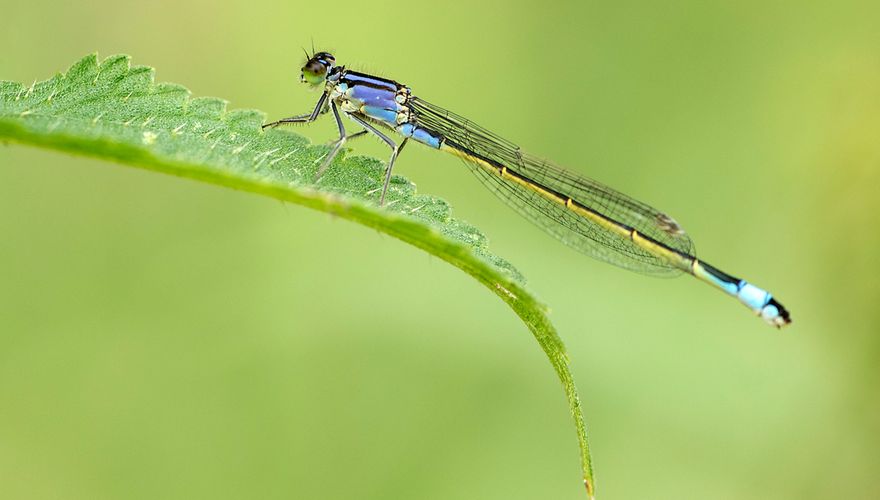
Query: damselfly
[582, 213]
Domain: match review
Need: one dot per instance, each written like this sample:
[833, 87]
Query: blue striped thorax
[380, 100]
[376, 98]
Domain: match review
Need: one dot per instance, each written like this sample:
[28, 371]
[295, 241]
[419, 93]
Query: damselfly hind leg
[349, 137]
[357, 134]
[395, 150]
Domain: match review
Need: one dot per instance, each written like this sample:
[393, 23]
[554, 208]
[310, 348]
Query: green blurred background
[167, 339]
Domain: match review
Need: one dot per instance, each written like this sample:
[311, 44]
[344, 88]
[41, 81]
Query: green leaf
[113, 111]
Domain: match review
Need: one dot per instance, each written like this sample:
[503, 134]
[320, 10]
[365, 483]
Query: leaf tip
[147, 74]
[111, 61]
[85, 66]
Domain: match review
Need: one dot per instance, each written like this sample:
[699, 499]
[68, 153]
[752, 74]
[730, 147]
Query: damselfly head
[316, 69]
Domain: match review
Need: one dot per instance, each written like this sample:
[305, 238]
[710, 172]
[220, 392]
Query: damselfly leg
[307, 118]
[336, 146]
[395, 150]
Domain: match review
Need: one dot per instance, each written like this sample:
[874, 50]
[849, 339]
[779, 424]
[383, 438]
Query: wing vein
[485, 149]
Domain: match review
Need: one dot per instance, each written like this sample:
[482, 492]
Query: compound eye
[314, 72]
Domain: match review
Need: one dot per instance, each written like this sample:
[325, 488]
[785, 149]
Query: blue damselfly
[582, 213]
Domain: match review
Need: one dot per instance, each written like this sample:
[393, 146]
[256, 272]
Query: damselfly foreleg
[301, 118]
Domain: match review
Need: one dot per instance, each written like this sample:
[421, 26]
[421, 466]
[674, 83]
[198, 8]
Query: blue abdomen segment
[420, 134]
[757, 299]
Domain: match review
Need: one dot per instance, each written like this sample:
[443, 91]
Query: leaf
[116, 112]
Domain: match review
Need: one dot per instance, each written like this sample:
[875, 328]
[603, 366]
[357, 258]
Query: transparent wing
[574, 230]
